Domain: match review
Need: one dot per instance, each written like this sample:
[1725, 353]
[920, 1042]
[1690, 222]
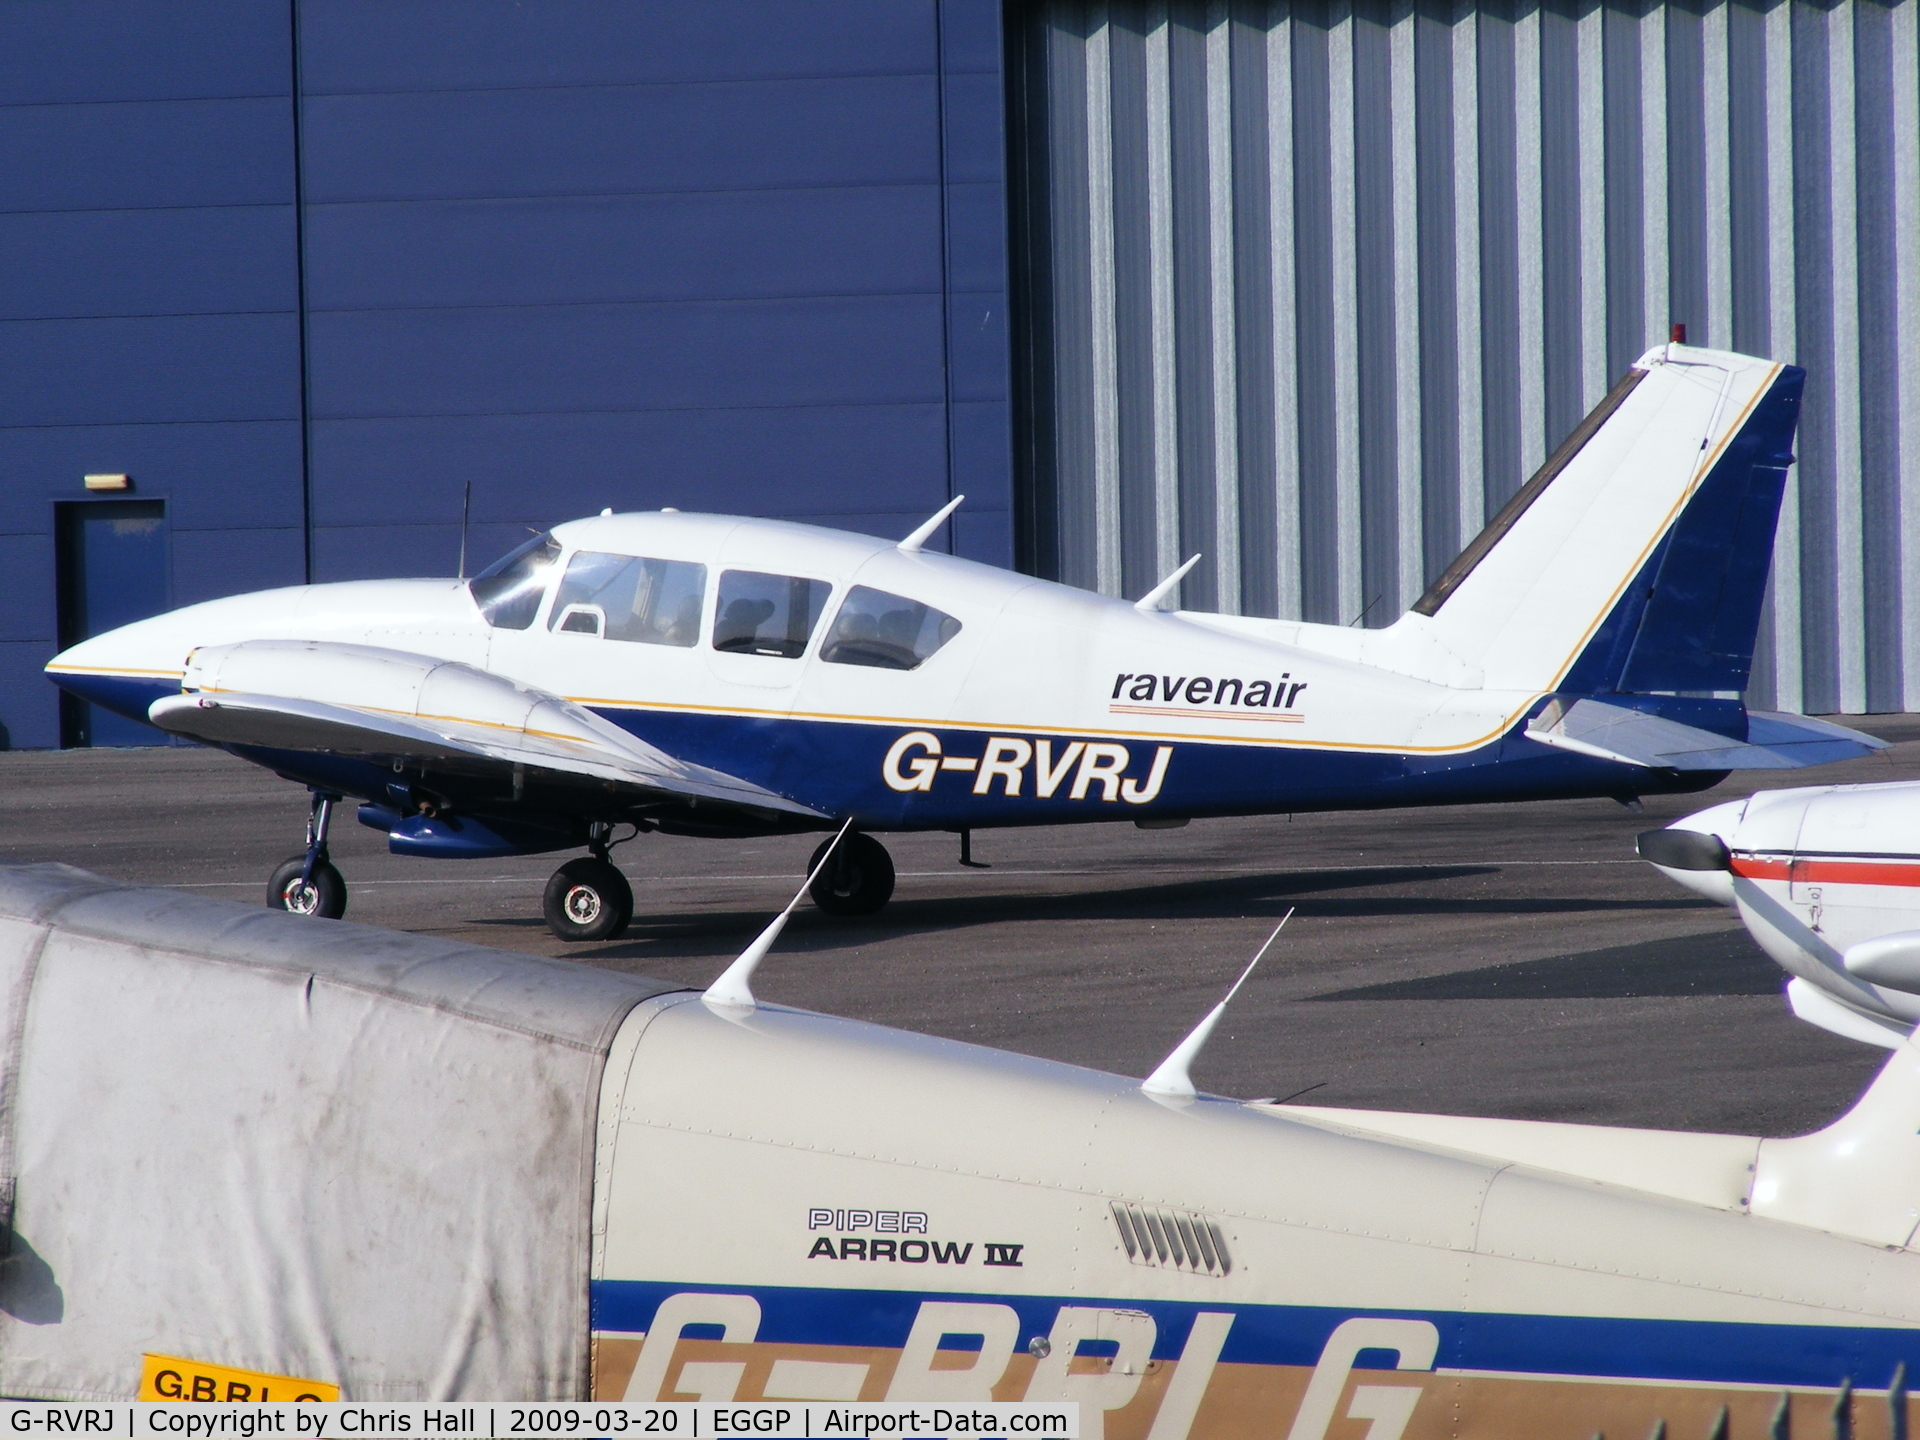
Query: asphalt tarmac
[1494, 960]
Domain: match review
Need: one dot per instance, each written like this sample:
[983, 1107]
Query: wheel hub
[302, 899]
[583, 904]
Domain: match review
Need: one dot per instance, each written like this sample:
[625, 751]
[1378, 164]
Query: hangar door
[1313, 287]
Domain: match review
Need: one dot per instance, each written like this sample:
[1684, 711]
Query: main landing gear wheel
[322, 893]
[857, 881]
[588, 899]
[307, 883]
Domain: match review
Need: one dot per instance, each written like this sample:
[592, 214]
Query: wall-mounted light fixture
[109, 482]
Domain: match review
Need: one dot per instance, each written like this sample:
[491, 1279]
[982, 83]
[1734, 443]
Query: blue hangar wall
[302, 270]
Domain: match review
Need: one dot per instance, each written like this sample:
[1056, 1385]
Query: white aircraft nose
[145, 647]
[123, 670]
[160, 644]
[1696, 851]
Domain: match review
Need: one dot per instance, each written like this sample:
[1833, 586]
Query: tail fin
[1636, 559]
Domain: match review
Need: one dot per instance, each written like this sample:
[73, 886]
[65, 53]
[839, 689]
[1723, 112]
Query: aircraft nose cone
[1695, 852]
[75, 664]
[120, 652]
[123, 670]
[1683, 849]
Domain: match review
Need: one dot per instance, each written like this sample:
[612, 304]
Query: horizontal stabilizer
[268, 694]
[1809, 741]
[1635, 737]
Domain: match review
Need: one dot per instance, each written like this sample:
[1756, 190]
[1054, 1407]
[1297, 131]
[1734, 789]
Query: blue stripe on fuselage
[127, 695]
[837, 767]
[1700, 1351]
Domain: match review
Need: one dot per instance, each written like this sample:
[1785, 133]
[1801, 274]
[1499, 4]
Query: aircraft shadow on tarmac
[1726, 963]
[709, 933]
[722, 933]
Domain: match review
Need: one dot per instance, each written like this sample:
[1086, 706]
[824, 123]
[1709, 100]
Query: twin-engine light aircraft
[701, 675]
[1827, 881]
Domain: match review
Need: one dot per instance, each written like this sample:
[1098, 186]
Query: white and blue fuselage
[706, 674]
[1046, 704]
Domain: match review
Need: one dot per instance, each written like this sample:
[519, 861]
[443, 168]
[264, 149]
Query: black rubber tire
[857, 881]
[587, 899]
[325, 894]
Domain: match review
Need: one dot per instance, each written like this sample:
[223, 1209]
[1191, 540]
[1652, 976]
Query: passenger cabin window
[510, 590]
[767, 614]
[888, 631]
[627, 597]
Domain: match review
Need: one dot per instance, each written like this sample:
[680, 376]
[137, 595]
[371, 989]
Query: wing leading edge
[274, 694]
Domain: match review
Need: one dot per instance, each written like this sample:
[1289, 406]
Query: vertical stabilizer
[1637, 557]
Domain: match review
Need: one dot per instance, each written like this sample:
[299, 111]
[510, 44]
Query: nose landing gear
[307, 883]
[588, 898]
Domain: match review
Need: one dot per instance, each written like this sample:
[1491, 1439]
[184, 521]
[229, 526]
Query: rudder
[1688, 623]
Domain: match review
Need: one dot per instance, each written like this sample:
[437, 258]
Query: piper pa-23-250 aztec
[708, 675]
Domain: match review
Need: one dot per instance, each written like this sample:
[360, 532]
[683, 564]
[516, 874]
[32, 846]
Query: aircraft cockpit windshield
[510, 590]
[887, 631]
[631, 598]
[759, 614]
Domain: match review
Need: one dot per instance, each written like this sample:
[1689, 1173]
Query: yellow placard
[168, 1377]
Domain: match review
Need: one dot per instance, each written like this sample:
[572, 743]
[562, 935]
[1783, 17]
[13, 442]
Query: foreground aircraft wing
[1634, 737]
[385, 704]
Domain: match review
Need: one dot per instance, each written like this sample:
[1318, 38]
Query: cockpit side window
[758, 614]
[632, 598]
[510, 590]
[888, 631]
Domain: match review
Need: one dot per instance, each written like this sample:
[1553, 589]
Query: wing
[378, 704]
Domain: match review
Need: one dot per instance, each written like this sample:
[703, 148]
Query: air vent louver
[1169, 1238]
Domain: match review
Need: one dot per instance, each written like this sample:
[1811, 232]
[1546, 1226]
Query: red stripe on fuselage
[1829, 872]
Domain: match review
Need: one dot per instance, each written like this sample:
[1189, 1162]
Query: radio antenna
[1154, 598]
[466, 508]
[911, 545]
[1172, 1080]
[734, 988]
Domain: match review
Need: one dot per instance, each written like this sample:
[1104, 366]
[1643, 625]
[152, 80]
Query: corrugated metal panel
[1313, 287]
